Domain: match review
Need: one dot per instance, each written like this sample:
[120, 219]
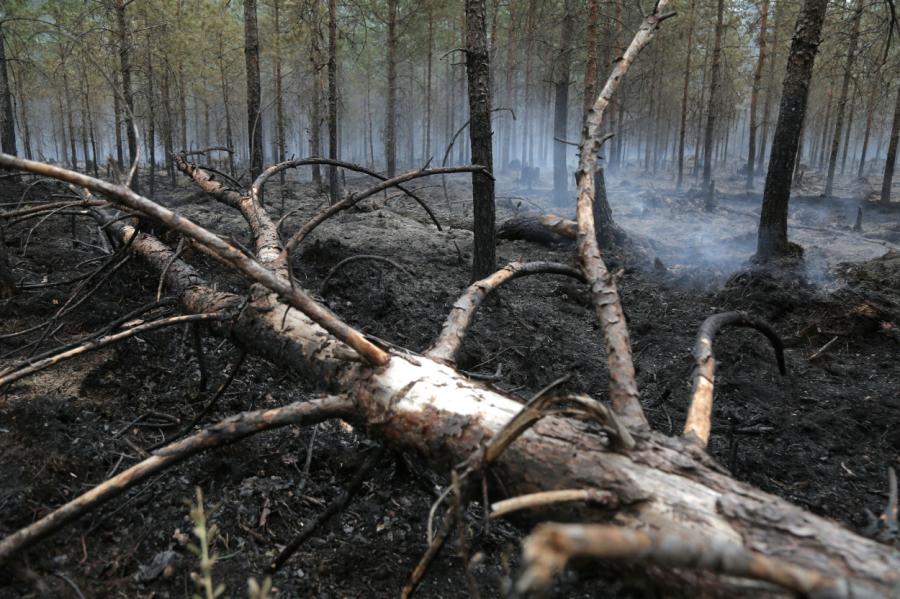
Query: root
[226, 432]
[698, 423]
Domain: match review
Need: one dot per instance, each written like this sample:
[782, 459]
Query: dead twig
[336, 506]
[461, 316]
[226, 432]
[347, 261]
[699, 416]
[545, 498]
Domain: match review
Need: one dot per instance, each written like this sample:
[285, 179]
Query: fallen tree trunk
[420, 404]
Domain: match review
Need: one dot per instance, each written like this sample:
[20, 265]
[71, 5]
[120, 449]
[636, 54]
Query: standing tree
[561, 107]
[754, 91]
[390, 123]
[254, 114]
[333, 191]
[891, 160]
[713, 106]
[590, 64]
[478, 69]
[7, 122]
[684, 93]
[772, 242]
[842, 99]
[125, 75]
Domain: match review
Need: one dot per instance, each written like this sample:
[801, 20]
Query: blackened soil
[823, 436]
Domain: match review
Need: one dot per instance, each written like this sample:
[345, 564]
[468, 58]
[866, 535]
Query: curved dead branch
[698, 423]
[347, 261]
[275, 169]
[547, 550]
[447, 345]
[226, 432]
[227, 252]
[330, 211]
[265, 233]
[623, 391]
[545, 498]
[95, 344]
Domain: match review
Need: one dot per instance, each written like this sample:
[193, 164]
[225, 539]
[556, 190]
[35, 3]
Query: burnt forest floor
[823, 436]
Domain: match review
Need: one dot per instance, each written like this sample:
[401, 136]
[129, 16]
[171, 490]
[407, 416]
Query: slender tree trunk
[527, 112]
[684, 93]
[318, 63]
[590, 63]
[182, 105]
[772, 241]
[165, 91]
[698, 141]
[561, 106]
[117, 118]
[127, 95]
[333, 189]
[70, 121]
[64, 158]
[279, 99]
[151, 119]
[428, 77]
[870, 112]
[478, 70]
[24, 118]
[826, 129]
[390, 121]
[713, 105]
[7, 119]
[754, 90]
[254, 113]
[616, 115]
[842, 99]
[849, 129]
[85, 133]
[770, 88]
[891, 160]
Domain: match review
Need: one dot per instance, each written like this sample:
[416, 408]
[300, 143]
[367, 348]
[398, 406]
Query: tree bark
[478, 70]
[563, 69]
[713, 105]
[772, 239]
[842, 99]
[333, 188]
[891, 159]
[254, 113]
[590, 63]
[279, 96]
[390, 118]
[684, 94]
[125, 78]
[7, 119]
[754, 90]
[770, 88]
[151, 119]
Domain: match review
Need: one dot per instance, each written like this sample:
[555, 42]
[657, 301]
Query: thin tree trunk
[684, 94]
[510, 92]
[390, 122]
[772, 241]
[770, 88]
[428, 77]
[254, 112]
[754, 91]
[279, 100]
[826, 129]
[870, 112]
[333, 189]
[127, 95]
[713, 105]
[478, 70]
[151, 119]
[849, 129]
[561, 106]
[842, 99]
[7, 119]
[182, 105]
[891, 159]
[167, 122]
[616, 115]
[590, 64]
[117, 117]
[24, 118]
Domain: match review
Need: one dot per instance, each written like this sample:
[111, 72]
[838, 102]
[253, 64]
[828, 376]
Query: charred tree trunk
[772, 240]
[754, 90]
[390, 120]
[590, 63]
[770, 89]
[7, 119]
[125, 77]
[713, 106]
[842, 99]
[891, 160]
[254, 113]
[333, 188]
[684, 95]
[478, 70]
[561, 106]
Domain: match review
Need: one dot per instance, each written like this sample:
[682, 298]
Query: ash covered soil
[823, 436]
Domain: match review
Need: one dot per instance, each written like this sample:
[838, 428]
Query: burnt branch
[623, 391]
[226, 432]
[547, 550]
[698, 423]
[446, 346]
[334, 270]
